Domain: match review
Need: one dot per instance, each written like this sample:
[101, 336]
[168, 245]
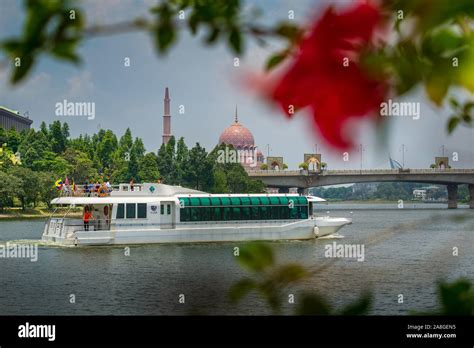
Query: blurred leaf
[274, 60]
[256, 256]
[437, 87]
[21, 71]
[289, 273]
[289, 31]
[454, 103]
[359, 307]
[235, 40]
[457, 298]
[213, 35]
[241, 289]
[165, 37]
[313, 304]
[409, 66]
[452, 124]
[443, 42]
[66, 50]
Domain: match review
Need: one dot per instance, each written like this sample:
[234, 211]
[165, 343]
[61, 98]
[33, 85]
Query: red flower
[326, 76]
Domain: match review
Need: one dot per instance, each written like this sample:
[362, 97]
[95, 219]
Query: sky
[205, 81]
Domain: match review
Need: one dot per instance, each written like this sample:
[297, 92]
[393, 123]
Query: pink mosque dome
[237, 135]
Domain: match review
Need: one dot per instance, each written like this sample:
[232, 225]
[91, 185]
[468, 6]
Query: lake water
[148, 282]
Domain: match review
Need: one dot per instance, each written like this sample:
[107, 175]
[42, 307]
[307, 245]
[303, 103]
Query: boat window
[205, 214]
[184, 215]
[184, 202]
[301, 200]
[303, 212]
[131, 210]
[168, 209]
[274, 200]
[217, 214]
[293, 212]
[195, 202]
[245, 200]
[162, 209]
[284, 212]
[141, 210]
[205, 201]
[216, 201]
[246, 213]
[255, 201]
[225, 200]
[120, 211]
[227, 214]
[254, 213]
[275, 213]
[265, 213]
[236, 215]
[235, 201]
[195, 216]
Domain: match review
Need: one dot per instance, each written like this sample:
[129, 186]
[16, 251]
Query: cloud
[80, 86]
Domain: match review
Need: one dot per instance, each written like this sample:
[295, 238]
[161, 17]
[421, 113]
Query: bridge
[304, 179]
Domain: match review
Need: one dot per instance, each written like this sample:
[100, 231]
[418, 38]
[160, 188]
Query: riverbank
[33, 213]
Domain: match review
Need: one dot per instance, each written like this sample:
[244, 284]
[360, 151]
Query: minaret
[167, 118]
[236, 117]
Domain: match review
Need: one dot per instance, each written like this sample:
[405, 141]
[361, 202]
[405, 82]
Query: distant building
[242, 140]
[12, 119]
[419, 194]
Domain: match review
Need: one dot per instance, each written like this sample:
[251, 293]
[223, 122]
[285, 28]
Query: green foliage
[48, 29]
[463, 114]
[303, 166]
[148, 168]
[269, 280]
[457, 298]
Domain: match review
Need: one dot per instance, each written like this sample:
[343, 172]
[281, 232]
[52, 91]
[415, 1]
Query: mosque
[243, 141]
[236, 135]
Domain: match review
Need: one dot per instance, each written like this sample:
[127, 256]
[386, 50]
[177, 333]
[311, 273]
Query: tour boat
[157, 213]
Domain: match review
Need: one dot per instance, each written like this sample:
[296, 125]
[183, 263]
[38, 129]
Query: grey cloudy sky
[205, 81]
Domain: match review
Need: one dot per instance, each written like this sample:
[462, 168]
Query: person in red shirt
[86, 218]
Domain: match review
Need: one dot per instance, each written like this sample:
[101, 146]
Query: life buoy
[102, 191]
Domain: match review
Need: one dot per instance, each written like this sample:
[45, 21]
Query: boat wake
[332, 236]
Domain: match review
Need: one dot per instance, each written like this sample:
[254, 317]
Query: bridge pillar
[303, 191]
[452, 196]
[471, 196]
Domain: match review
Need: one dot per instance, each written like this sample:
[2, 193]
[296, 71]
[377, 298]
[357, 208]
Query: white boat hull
[194, 233]
[327, 225]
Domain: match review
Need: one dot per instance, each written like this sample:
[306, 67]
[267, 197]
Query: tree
[47, 190]
[148, 168]
[82, 169]
[198, 168]
[13, 139]
[10, 187]
[29, 185]
[58, 136]
[106, 147]
[164, 162]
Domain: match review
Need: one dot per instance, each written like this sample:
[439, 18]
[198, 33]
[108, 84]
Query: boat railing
[96, 189]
